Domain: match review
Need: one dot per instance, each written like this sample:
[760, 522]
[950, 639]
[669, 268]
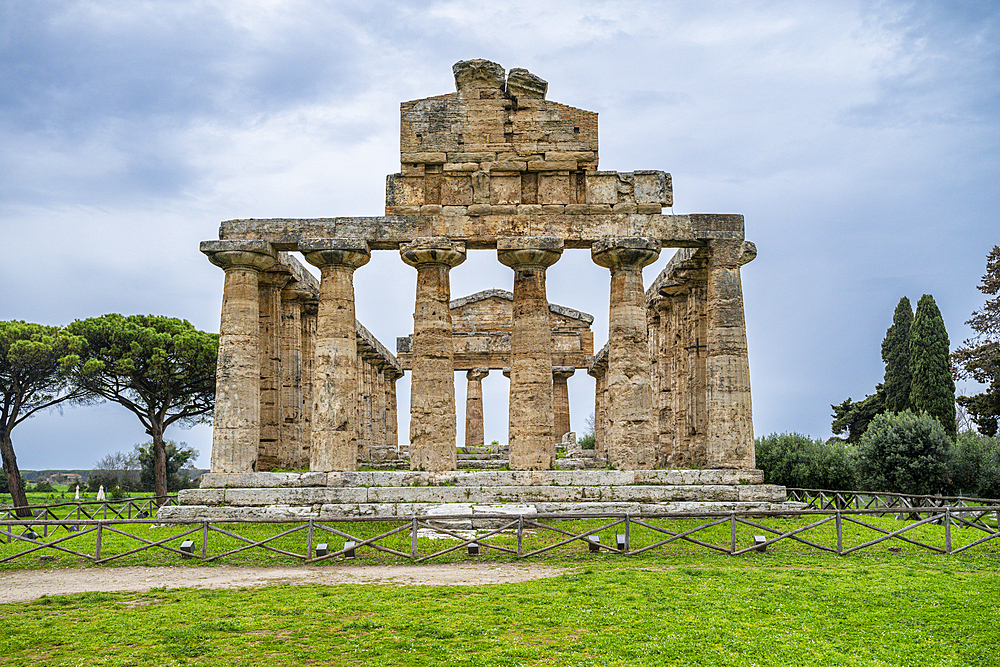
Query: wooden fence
[748, 531]
[823, 499]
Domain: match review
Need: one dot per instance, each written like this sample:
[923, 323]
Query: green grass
[705, 610]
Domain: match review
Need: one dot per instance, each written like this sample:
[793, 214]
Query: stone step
[490, 464]
[308, 496]
[479, 457]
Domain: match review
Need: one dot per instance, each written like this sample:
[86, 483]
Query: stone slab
[482, 232]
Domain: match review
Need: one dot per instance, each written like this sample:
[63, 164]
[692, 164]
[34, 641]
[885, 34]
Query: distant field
[651, 610]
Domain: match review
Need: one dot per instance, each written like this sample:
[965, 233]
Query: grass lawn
[652, 610]
[676, 605]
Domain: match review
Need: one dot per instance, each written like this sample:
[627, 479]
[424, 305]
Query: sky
[860, 140]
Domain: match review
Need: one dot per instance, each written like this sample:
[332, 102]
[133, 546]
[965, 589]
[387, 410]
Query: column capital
[563, 371]
[254, 255]
[276, 279]
[629, 253]
[352, 253]
[433, 250]
[294, 292]
[523, 252]
[477, 373]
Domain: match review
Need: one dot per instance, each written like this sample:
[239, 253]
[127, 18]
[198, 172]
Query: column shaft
[335, 392]
[730, 425]
[530, 434]
[560, 400]
[433, 423]
[475, 435]
[236, 432]
[292, 401]
[630, 441]
[271, 410]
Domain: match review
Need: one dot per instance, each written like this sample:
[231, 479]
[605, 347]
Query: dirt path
[25, 585]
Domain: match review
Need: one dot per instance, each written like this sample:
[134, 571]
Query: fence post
[100, 532]
[732, 533]
[309, 542]
[947, 530]
[204, 539]
[628, 525]
[520, 532]
[413, 538]
[840, 535]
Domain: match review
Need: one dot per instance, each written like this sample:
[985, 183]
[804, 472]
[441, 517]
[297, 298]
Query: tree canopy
[854, 418]
[34, 363]
[904, 453]
[979, 357]
[932, 388]
[896, 355]
[162, 369]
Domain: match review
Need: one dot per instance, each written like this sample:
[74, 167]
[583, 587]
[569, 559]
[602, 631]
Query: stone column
[663, 398]
[531, 437]
[730, 427]
[630, 442]
[475, 435]
[560, 400]
[236, 434]
[433, 424]
[310, 309]
[270, 285]
[391, 417]
[335, 392]
[292, 400]
[697, 357]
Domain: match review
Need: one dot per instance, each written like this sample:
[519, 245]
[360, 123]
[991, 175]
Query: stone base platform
[509, 492]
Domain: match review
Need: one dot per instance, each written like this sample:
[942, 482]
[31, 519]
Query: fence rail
[640, 533]
[140, 507]
[824, 499]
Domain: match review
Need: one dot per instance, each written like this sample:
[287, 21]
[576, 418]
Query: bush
[587, 442]
[43, 487]
[974, 466]
[798, 461]
[904, 453]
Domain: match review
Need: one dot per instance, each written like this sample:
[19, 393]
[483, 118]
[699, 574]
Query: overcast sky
[859, 139]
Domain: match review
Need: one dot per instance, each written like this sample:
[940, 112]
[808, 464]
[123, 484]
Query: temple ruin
[492, 166]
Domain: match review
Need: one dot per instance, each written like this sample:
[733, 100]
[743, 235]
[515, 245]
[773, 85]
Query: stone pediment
[492, 310]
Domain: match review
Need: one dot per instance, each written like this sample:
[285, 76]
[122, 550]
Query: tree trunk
[13, 475]
[159, 464]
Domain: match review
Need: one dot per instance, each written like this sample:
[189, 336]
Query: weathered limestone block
[236, 434]
[333, 436]
[630, 441]
[532, 442]
[474, 430]
[432, 397]
[270, 284]
[262, 479]
[523, 84]
[730, 425]
[291, 452]
[505, 189]
[560, 399]
[478, 79]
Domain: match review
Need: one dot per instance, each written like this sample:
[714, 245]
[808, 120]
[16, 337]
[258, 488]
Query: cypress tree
[932, 389]
[896, 355]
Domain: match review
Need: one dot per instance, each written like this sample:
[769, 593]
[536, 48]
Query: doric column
[475, 435]
[333, 443]
[391, 417]
[270, 285]
[433, 423]
[663, 397]
[310, 309]
[290, 454]
[236, 433]
[630, 442]
[730, 428]
[530, 433]
[560, 400]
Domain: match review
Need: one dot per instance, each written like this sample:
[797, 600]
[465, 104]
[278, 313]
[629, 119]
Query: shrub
[588, 441]
[43, 487]
[796, 460]
[974, 466]
[904, 453]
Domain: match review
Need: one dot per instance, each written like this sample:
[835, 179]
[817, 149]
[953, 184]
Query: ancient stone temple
[492, 166]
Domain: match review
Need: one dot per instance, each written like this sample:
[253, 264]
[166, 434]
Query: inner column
[560, 400]
[475, 435]
[532, 443]
[433, 423]
[334, 444]
[630, 443]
